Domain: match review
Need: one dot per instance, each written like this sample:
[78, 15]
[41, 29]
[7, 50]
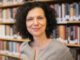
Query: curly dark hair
[22, 12]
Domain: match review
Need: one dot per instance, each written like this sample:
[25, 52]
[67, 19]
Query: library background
[68, 26]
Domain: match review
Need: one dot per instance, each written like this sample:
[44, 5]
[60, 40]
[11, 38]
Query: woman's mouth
[36, 29]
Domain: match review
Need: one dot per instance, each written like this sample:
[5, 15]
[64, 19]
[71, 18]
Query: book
[62, 32]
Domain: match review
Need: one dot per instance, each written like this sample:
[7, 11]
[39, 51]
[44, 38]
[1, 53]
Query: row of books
[67, 12]
[10, 2]
[7, 15]
[7, 58]
[10, 47]
[8, 31]
[70, 34]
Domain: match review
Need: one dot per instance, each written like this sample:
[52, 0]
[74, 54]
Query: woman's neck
[40, 41]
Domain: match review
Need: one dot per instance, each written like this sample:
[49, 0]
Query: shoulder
[61, 50]
[23, 46]
[57, 45]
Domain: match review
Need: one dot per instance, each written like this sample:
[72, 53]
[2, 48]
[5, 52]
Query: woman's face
[36, 22]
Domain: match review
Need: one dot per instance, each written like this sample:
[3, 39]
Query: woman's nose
[36, 22]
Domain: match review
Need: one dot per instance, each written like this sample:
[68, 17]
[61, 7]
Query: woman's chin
[36, 34]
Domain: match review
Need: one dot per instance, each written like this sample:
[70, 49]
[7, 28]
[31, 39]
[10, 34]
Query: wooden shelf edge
[18, 4]
[12, 5]
[6, 54]
[18, 40]
[58, 23]
[73, 45]
[1, 23]
[69, 22]
[73, 21]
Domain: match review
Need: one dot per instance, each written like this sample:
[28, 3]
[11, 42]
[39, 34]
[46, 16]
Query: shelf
[6, 54]
[18, 40]
[19, 4]
[11, 5]
[69, 22]
[26, 40]
[73, 21]
[1, 23]
[73, 45]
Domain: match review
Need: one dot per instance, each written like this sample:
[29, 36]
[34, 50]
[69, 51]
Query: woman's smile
[36, 29]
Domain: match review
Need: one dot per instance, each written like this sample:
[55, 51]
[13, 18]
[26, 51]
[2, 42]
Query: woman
[37, 21]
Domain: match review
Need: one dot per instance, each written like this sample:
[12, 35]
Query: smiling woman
[23, 11]
[37, 21]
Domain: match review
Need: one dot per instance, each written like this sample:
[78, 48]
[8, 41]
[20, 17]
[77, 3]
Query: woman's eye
[40, 18]
[29, 19]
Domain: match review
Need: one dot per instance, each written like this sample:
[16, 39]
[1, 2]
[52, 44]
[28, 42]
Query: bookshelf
[2, 23]
[73, 45]
[68, 22]
[25, 40]
[7, 43]
[11, 5]
[74, 22]
[18, 40]
[5, 54]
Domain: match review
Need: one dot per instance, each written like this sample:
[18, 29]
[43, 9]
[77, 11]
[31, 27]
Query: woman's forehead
[35, 11]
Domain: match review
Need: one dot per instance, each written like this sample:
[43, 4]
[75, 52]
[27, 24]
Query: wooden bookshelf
[73, 45]
[26, 40]
[18, 40]
[18, 4]
[11, 5]
[69, 22]
[73, 21]
[6, 54]
[2, 23]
